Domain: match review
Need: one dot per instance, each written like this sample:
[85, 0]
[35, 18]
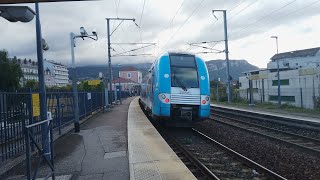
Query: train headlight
[205, 100]
[162, 96]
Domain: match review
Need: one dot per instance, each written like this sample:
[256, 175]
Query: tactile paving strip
[147, 170]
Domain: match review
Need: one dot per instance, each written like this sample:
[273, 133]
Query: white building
[29, 69]
[49, 78]
[299, 80]
[296, 59]
[59, 71]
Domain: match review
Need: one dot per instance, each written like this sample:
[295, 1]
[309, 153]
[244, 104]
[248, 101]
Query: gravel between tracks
[281, 158]
[223, 165]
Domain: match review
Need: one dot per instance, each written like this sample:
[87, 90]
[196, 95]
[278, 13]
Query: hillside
[216, 68]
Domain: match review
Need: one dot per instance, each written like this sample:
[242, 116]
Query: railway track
[210, 159]
[303, 142]
[303, 127]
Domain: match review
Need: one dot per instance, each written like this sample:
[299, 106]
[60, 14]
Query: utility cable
[182, 25]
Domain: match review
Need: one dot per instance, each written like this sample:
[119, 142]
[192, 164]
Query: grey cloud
[59, 19]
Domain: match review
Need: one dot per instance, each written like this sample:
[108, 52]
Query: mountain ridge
[216, 69]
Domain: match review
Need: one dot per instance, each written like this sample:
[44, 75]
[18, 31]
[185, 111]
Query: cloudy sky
[172, 25]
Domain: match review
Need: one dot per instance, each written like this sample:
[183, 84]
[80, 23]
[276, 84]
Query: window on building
[254, 90]
[283, 98]
[129, 75]
[283, 82]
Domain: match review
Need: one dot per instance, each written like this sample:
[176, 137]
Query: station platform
[118, 144]
[150, 157]
[295, 116]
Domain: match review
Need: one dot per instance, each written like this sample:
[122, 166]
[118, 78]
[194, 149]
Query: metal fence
[16, 111]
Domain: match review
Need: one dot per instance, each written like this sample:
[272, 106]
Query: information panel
[35, 104]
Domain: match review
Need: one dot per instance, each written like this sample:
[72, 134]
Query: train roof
[180, 52]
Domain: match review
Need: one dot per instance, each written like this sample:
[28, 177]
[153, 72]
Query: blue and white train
[177, 89]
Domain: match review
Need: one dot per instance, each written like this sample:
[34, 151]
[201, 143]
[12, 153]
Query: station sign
[35, 104]
[94, 82]
[33, 1]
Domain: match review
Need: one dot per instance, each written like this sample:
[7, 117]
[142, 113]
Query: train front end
[185, 93]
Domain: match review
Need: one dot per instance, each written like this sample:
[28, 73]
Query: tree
[84, 86]
[10, 72]
[32, 84]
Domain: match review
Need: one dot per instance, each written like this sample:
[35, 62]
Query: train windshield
[183, 71]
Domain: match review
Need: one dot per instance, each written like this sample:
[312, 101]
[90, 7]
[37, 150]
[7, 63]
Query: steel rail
[244, 159]
[308, 125]
[204, 169]
[272, 129]
[270, 136]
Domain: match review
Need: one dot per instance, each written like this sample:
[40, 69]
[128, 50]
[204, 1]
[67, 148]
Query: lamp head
[17, 13]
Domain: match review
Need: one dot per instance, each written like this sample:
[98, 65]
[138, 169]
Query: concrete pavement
[98, 152]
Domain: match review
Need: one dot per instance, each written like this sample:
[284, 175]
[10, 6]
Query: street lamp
[83, 34]
[17, 13]
[278, 73]
[119, 85]
[26, 14]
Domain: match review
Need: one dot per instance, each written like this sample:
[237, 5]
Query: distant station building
[131, 73]
[126, 85]
[58, 71]
[299, 80]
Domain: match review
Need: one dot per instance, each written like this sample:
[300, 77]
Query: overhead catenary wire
[133, 43]
[295, 11]
[117, 4]
[132, 55]
[204, 47]
[207, 42]
[263, 17]
[176, 13]
[181, 26]
[230, 10]
[242, 10]
[133, 50]
[140, 20]
[116, 28]
[208, 52]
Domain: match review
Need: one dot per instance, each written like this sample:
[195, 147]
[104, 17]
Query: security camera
[83, 31]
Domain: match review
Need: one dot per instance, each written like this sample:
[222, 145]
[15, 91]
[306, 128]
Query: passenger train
[176, 89]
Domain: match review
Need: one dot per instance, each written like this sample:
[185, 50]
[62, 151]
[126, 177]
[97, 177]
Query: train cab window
[182, 61]
[184, 72]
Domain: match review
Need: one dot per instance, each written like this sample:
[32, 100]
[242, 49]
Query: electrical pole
[74, 87]
[278, 72]
[42, 87]
[226, 51]
[109, 60]
[119, 85]
[109, 47]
